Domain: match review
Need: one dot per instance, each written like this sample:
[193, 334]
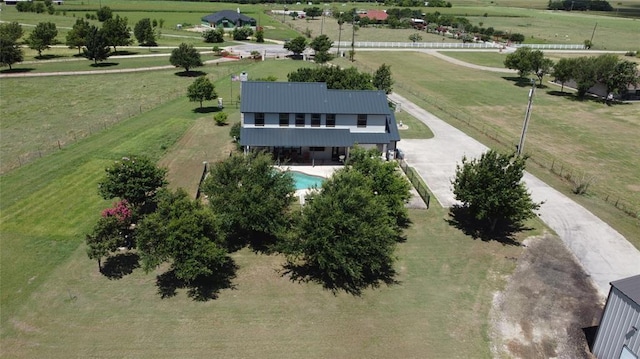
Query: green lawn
[490, 59]
[412, 128]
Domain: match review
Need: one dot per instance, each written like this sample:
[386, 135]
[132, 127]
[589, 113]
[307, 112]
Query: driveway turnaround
[603, 252]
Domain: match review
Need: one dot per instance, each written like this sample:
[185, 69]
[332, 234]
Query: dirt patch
[548, 301]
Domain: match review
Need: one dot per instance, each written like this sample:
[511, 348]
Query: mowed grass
[596, 142]
[80, 313]
[412, 128]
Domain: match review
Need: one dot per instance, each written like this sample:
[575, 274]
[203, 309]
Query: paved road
[604, 253]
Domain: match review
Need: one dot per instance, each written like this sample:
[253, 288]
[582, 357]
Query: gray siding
[620, 315]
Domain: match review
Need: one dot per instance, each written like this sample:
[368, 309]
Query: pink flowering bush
[120, 210]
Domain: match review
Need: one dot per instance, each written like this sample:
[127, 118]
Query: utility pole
[353, 38]
[527, 115]
[340, 22]
[594, 32]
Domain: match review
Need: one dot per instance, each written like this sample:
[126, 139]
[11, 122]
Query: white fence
[451, 45]
[415, 45]
[552, 46]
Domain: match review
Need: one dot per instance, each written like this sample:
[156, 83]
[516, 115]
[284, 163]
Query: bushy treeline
[580, 5]
[38, 7]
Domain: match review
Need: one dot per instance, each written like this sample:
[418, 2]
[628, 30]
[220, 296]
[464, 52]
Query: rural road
[603, 252]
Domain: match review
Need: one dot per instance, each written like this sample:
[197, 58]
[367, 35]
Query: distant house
[305, 121]
[618, 335]
[374, 15]
[228, 19]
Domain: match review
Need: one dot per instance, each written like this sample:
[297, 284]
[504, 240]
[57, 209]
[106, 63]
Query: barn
[618, 335]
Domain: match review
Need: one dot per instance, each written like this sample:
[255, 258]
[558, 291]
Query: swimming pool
[304, 181]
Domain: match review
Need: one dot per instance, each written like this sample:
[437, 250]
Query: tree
[585, 74]
[335, 77]
[415, 37]
[615, 74]
[200, 90]
[321, 46]
[382, 78]
[588, 44]
[135, 179]
[344, 239]
[563, 71]
[541, 66]
[77, 36]
[96, 47]
[516, 37]
[185, 56]
[117, 32]
[241, 33]
[296, 45]
[42, 36]
[526, 60]
[183, 232]
[491, 189]
[312, 12]
[260, 34]
[143, 31]
[104, 14]
[213, 35]
[10, 51]
[105, 238]
[250, 197]
[386, 182]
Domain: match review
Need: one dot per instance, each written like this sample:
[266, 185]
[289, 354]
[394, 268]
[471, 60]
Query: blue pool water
[304, 181]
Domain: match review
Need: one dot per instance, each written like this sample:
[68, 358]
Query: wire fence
[81, 131]
[416, 181]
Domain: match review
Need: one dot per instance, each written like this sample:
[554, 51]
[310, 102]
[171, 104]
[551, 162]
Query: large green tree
[112, 231]
[251, 198]
[296, 45]
[135, 179]
[321, 46]
[585, 74]
[526, 61]
[77, 36]
[335, 77]
[10, 51]
[96, 45]
[200, 90]
[312, 12]
[213, 35]
[614, 73]
[42, 37]
[491, 189]
[185, 56]
[183, 232]
[117, 32]
[563, 71]
[344, 239]
[382, 78]
[104, 13]
[144, 33]
[387, 183]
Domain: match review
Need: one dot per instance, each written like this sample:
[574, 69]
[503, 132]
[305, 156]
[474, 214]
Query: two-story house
[305, 121]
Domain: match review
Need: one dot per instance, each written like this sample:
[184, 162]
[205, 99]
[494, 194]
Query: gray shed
[618, 335]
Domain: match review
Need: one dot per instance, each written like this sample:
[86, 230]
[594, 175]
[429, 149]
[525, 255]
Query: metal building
[618, 335]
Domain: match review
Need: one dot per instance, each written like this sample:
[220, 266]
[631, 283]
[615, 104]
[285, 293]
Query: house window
[316, 149]
[284, 120]
[315, 120]
[362, 120]
[331, 120]
[259, 117]
[299, 119]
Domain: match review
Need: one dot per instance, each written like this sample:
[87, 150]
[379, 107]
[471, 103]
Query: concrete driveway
[603, 252]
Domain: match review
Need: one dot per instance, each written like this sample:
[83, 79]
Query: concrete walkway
[604, 253]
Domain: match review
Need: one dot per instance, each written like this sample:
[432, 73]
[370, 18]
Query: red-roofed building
[375, 15]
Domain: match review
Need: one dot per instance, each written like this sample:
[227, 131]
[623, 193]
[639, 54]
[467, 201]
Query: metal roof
[313, 137]
[230, 15]
[630, 287]
[310, 97]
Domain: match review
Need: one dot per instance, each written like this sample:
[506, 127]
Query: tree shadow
[190, 73]
[48, 57]
[105, 64]
[303, 273]
[16, 71]
[460, 218]
[518, 81]
[121, 264]
[124, 53]
[203, 288]
[206, 109]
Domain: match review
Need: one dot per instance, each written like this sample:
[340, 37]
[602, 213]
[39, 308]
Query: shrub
[221, 118]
